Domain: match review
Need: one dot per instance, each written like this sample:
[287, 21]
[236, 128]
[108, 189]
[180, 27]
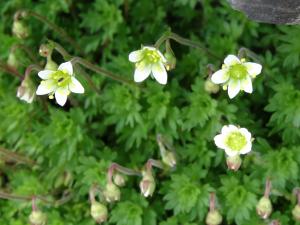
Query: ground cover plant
[147, 112]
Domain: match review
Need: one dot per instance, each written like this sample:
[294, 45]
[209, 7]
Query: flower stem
[212, 202]
[31, 68]
[16, 157]
[61, 201]
[121, 169]
[192, 44]
[268, 188]
[27, 50]
[155, 163]
[53, 26]
[100, 70]
[90, 65]
[245, 52]
[184, 41]
[11, 70]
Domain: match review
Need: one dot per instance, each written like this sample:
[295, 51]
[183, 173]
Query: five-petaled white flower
[234, 140]
[149, 60]
[237, 75]
[59, 83]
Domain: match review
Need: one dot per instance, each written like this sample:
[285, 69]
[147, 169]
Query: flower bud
[37, 218]
[210, 87]
[296, 212]
[213, 218]
[264, 207]
[12, 59]
[169, 158]
[99, 212]
[171, 61]
[234, 162]
[119, 179]
[147, 185]
[26, 91]
[45, 50]
[20, 29]
[112, 192]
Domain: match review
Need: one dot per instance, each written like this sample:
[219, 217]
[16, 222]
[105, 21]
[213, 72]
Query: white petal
[230, 152]
[228, 129]
[159, 72]
[246, 85]
[219, 77]
[247, 148]
[46, 87]
[162, 57]
[246, 133]
[141, 72]
[220, 141]
[45, 74]
[233, 88]
[136, 56]
[61, 96]
[150, 48]
[66, 67]
[231, 60]
[75, 86]
[253, 68]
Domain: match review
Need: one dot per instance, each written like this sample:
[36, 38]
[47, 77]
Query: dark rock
[270, 11]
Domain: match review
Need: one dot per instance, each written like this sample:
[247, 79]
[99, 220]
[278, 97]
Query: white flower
[59, 83]
[234, 140]
[237, 75]
[149, 60]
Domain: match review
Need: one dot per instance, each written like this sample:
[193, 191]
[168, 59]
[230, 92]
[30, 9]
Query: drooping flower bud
[234, 162]
[20, 29]
[171, 61]
[112, 192]
[296, 212]
[211, 87]
[37, 218]
[119, 179]
[147, 184]
[169, 159]
[264, 207]
[99, 212]
[166, 151]
[213, 218]
[26, 91]
[170, 57]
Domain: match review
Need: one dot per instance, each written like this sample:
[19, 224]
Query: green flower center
[151, 56]
[236, 141]
[238, 71]
[61, 78]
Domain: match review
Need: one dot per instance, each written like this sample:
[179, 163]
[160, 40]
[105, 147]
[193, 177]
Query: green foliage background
[120, 124]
